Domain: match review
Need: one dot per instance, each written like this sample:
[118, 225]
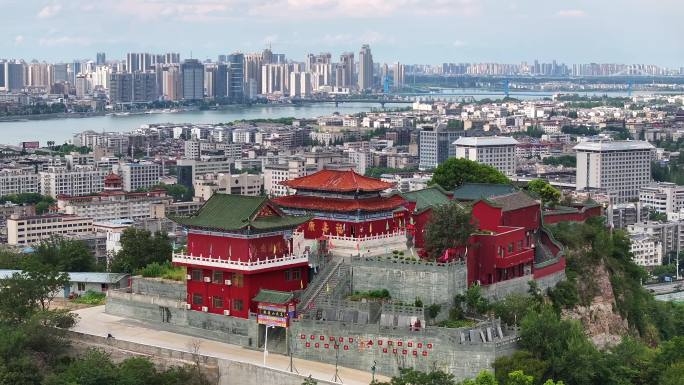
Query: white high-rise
[496, 151]
[620, 168]
[365, 68]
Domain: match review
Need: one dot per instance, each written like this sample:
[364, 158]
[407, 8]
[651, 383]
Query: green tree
[520, 360]
[93, 368]
[140, 248]
[410, 376]
[519, 377]
[309, 381]
[450, 226]
[25, 293]
[484, 378]
[673, 375]
[570, 354]
[68, 255]
[455, 171]
[549, 195]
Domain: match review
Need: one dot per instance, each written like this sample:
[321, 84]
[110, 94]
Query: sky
[409, 31]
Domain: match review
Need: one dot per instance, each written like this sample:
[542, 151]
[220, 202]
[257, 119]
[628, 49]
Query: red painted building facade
[237, 246]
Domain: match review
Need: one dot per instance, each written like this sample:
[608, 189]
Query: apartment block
[29, 230]
[81, 180]
[495, 151]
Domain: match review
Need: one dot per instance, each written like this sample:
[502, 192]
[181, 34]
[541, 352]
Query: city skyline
[445, 30]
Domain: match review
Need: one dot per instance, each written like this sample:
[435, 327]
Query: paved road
[95, 321]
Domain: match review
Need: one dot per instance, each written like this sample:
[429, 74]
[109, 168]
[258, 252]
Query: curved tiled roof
[236, 212]
[339, 205]
[337, 180]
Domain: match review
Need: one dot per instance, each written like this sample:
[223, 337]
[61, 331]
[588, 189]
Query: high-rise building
[171, 83]
[171, 58]
[236, 77]
[621, 168]
[435, 146]
[365, 68]
[12, 76]
[3, 76]
[220, 81]
[192, 75]
[132, 87]
[81, 180]
[60, 72]
[138, 175]
[344, 73]
[39, 75]
[252, 68]
[495, 151]
[101, 59]
[82, 85]
[138, 62]
[75, 70]
[398, 75]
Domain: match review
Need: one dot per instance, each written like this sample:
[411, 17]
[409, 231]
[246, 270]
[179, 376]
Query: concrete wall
[218, 371]
[462, 352]
[408, 280]
[520, 285]
[159, 287]
[173, 316]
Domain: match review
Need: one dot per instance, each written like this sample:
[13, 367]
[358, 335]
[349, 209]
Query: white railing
[236, 264]
[394, 234]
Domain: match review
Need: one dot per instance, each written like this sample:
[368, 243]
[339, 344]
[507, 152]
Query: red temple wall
[220, 247]
[315, 227]
[483, 260]
[252, 283]
[528, 217]
[487, 217]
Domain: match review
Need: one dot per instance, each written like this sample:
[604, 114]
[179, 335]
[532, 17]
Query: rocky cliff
[598, 311]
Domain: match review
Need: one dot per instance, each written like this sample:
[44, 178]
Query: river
[61, 130]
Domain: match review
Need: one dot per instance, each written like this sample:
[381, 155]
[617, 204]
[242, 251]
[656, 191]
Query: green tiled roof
[273, 296]
[427, 198]
[236, 212]
[475, 191]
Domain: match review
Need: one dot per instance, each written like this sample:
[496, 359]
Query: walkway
[95, 321]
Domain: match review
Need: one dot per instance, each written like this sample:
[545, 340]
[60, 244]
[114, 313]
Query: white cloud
[18, 40]
[49, 11]
[53, 41]
[459, 43]
[571, 13]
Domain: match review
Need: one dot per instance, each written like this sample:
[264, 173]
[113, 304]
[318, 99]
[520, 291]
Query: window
[238, 279]
[197, 299]
[510, 247]
[218, 276]
[217, 302]
[104, 287]
[81, 286]
[296, 274]
[237, 304]
[196, 274]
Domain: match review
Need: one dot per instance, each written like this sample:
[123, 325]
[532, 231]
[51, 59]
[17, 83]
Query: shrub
[91, 298]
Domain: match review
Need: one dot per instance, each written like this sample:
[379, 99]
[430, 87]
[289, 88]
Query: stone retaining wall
[408, 280]
[217, 370]
[462, 352]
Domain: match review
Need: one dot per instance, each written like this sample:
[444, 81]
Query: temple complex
[348, 213]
